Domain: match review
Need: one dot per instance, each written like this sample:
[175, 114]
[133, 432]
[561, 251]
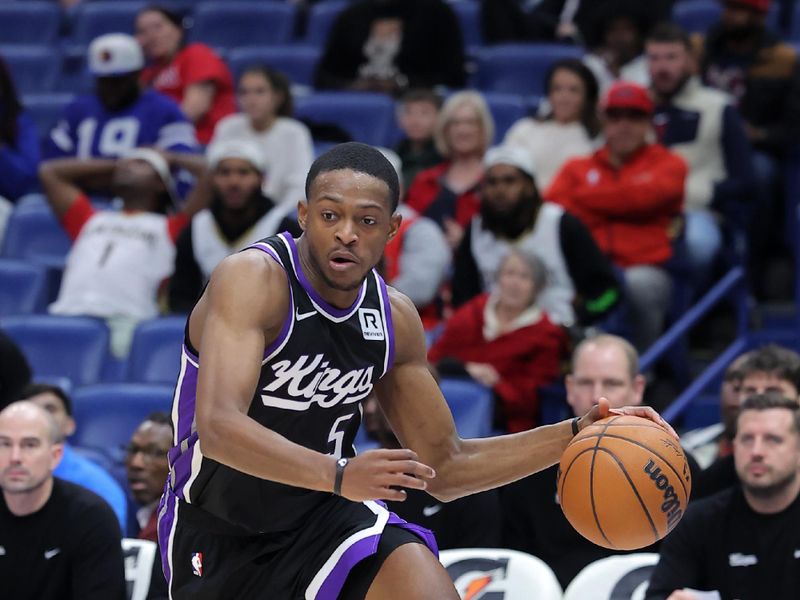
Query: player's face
[602, 370]
[27, 455]
[515, 286]
[761, 382]
[567, 96]
[256, 97]
[146, 461]
[669, 63]
[157, 35]
[53, 404]
[236, 182]
[347, 221]
[626, 131]
[766, 451]
[418, 120]
[464, 131]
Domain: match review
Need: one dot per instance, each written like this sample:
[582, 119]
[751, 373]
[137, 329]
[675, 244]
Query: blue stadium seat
[59, 346]
[469, 17]
[519, 68]
[35, 234]
[696, 16]
[45, 109]
[23, 287]
[366, 117]
[33, 68]
[506, 110]
[471, 404]
[107, 414]
[296, 62]
[320, 20]
[233, 24]
[75, 77]
[29, 22]
[156, 351]
[93, 19]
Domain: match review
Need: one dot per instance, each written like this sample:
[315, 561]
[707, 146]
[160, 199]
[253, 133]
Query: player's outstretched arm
[242, 310]
[415, 408]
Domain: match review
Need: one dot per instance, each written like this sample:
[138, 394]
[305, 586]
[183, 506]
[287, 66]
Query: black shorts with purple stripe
[205, 558]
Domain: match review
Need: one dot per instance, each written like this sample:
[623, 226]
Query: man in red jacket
[630, 195]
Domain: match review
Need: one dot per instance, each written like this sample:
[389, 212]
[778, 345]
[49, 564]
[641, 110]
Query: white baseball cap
[242, 149]
[510, 155]
[115, 54]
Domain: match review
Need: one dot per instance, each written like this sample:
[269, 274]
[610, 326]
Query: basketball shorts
[335, 554]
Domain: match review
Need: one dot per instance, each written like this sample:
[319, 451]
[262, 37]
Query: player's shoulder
[408, 331]
[250, 267]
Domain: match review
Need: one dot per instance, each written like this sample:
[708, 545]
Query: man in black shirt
[58, 540]
[745, 541]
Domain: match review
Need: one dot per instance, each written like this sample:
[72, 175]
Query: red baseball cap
[627, 95]
[761, 6]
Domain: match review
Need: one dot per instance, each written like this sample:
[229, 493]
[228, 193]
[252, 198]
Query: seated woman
[568, 127]
[506, 342]
[193, 75]
[266, 119]
[447, 193]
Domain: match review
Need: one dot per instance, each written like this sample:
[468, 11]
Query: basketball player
[266, 498]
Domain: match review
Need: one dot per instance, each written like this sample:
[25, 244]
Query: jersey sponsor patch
[371, 326]
[197, 564]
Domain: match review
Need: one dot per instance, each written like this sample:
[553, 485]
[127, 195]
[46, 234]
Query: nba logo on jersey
[197, 563]
[371, 326]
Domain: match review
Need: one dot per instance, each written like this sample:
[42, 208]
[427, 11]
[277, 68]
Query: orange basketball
[624, 482]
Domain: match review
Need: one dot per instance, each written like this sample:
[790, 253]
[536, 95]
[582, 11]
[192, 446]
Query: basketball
[624, 482]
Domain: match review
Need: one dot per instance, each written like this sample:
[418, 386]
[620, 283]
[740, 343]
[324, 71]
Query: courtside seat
[623, 577]
[156, 351]
[35, 235]
[23, 287]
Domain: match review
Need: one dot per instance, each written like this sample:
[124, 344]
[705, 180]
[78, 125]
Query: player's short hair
[607, 339]
[774, 360]
[668, 32]
[359, 157]
[34, 389]
[770, 400]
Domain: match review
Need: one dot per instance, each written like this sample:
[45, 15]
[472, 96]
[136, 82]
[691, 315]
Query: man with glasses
[629, 193]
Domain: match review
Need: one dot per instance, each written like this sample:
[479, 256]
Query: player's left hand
[602, 410]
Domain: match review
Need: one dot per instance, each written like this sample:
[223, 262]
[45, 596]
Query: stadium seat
[45, 109]
[232, 24]
[75, 77]
[320, 20]
[156, 351]
[23, 287]
[506, 110]
[366, 117]
[471, 404]
[37, 236]
[33, 68]
[29, 22]
[107, 414]
[139, 557]
[60, 346]
[519, 68]
[696, 16]
[500, 573]
[93, 19]
[468, 13]
[296, 62]
[613, 578]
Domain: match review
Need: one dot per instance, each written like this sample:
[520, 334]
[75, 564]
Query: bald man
[57, 539]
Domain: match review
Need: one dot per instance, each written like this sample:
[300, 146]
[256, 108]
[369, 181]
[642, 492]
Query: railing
[733, 284]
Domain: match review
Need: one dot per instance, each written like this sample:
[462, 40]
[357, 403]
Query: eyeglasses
[149, 453]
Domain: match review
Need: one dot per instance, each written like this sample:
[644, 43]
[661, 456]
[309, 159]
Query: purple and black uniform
[224, 533]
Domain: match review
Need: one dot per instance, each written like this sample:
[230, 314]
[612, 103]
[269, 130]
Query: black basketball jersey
[315, 375]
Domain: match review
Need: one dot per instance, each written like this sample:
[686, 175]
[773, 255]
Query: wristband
[575, 429]
[337, 482]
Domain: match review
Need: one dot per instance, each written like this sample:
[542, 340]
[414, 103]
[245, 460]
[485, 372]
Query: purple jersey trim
[288, 321]
[166, 524]
[387, 311]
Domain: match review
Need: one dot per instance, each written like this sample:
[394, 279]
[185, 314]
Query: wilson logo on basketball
[671, 506]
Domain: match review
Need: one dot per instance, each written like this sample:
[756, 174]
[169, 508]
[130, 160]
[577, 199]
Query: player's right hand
[381, 475]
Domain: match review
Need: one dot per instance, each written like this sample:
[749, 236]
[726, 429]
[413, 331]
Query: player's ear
[302, 213]
[394, 224]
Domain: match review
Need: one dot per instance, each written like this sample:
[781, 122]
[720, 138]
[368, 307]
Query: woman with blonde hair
[447, 193]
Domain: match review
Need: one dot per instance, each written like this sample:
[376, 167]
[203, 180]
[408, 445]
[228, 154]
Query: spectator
[417, 112]
[702, 126]
[629, 194]
[118, 117]
[469, 522]
[73, 466]
[603, 366]
[193, 74]
[618, 54]
[15, 373]
[743, 542]
[448, 192]
[19, 143]
[569, 126]
[768, 369]
[118, 260]
[59, 540]
[239, 215]
[581, 284]
[146, 464]
[505, 341]
[266, 119]
[390, 45]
